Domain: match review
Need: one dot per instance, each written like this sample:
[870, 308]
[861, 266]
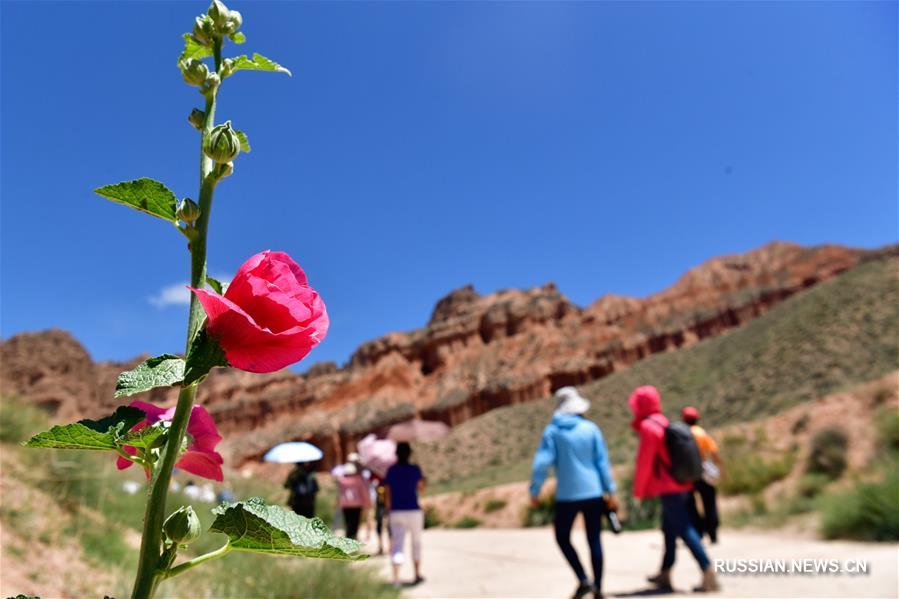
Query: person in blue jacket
[575, 448]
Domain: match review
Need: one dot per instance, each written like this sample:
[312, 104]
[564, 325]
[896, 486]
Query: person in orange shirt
[713, 469]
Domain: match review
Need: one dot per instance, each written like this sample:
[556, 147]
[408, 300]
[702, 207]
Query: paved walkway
[526, 563]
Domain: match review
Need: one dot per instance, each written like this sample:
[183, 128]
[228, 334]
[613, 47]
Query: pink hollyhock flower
[269, 317]
[200, 458]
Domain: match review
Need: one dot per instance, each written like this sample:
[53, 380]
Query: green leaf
[147, 437]
[252, 525]
[161, 371]
[205, 354]
[244, 141]
[104, 434]
[257, 63]
[238, 38]
[145, 195]
[216, 285]
[192, 49]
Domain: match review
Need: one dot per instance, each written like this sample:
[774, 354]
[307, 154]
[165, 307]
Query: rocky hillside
[477, 353]
[837, 335]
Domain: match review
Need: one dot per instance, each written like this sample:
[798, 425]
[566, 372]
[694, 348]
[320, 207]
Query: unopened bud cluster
[218, 22]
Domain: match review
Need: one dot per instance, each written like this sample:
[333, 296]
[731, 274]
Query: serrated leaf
[252, 525]
[161, 371]
[103, 434]
[192, 49]
[238, 38]
[205, 354]
[257, 63]
[145, 195]
[216, 285]
[244, 141]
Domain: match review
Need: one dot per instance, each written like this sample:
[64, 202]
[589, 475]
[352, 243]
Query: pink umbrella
[377, 454]
[418, 430]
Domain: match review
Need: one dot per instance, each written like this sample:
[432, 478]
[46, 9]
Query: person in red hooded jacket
[652, 478]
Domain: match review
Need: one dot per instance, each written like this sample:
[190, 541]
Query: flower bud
[219, 14]
[194, 71]
[197, 118]
[227, 170]
[188, 211]
[233, 23]
[222, 143]
[203, 30]
[183, 526]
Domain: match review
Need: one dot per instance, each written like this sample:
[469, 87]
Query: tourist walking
[654, 477]
[403, 483]
[574, 447]
[712, 471]
[303, 488]
[352, 497]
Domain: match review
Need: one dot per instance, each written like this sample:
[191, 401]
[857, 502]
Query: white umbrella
[418, 430]
[293, 452]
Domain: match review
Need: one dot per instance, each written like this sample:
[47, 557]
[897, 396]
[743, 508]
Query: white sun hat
[569, 401]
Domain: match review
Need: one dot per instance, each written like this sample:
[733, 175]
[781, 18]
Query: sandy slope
[527, 563]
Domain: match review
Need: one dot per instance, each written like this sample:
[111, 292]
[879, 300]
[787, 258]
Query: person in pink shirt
[352, 497]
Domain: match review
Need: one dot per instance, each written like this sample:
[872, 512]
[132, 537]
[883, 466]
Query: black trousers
[566, 512]
[707, 523]
[351, 517]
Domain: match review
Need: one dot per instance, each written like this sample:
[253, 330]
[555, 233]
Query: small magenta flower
[200, 458]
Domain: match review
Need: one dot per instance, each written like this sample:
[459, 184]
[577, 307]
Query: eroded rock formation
[477, 353]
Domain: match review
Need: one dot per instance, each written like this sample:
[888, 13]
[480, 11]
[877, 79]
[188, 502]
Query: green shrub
[869, 512]
[541, 515]
[641, 515]
[888, 430]
[748, 472]
[467, 522]
[827, 454]
[432, 517]
[810, 485]
[494, 505]
[20, 420]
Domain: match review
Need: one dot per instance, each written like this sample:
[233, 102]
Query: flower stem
[184, 567]
[148, 570]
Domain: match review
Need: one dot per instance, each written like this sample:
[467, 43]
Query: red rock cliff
[476, 353]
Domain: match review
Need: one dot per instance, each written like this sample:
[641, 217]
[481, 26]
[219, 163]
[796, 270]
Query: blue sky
[421, 146]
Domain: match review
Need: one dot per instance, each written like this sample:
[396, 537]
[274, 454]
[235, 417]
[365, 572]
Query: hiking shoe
[709, 582]
[662, 580]
[583, 589]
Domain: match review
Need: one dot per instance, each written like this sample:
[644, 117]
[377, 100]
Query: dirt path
[527, 563]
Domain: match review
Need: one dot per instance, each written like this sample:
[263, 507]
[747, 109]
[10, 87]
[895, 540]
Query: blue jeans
[676, 523]
[566, 512]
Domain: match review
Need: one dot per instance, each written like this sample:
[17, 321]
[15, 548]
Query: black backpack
[686, 463]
